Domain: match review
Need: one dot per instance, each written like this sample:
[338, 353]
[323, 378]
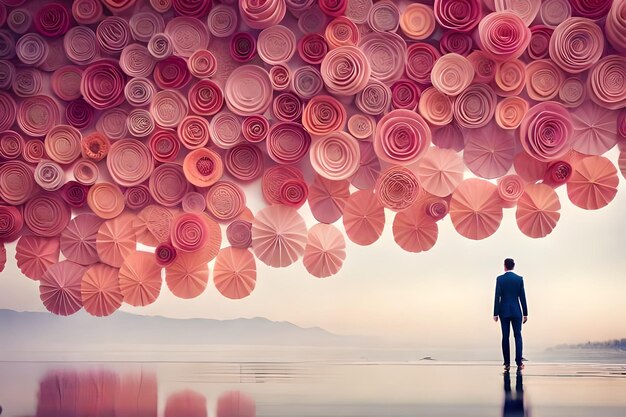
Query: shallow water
[309, 388]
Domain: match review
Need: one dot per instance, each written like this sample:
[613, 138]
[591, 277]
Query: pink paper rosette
[102, 85]
[306, 82]
[225, 200]
[171, 73]
[160, 46]
[79, 114]
[615, 25]
[189, 232]
[456, 42]
[244, 162]
[361, 126]
[117, 238]
[510, 112]
[572, 92]
[273, 179]
[59, 288]
[202, 64]
[333, 7]
[293, 192]
[510, 77]
[420, 59]
[139, 91]
[458, 15]
[18, 20]
[192, 8]
[140, 123]
[451, 74]
[31, 49]
[591, 9]
[545, 131]
[33, 151]
[287, 142]
[287, 107]
[202, 167]
[435, 107]
[27, 82]
[402, 137]
[11, 223]
[606, 83]
[358, 10]
[193, 132]
[374, 99]
[363, 217]
[436, 208]
[164, 145]
[476, 209]
[325, 251]
[386, 53]
[255, 128]
[475, 106]
[95, 146]
[526, 9]
[239, 234]
[235, 278]
[105, 200]
[136, 61]
[405, 94]
[384, 16]
[100, 290]
[342, 31]
[74, 194]
[129, 162]
[7, 111]
[168, 184]
[335, 156]
[440, 171]
[345, 70]
[503, 35]
[7, 73]
[187, 34]
[248, 90]
[187, 277]
[595, 129]
[415, 231]
[113, 34]
[49, 175]
[281, 78]
[278, 235]
[140, 279]
[312, 20]
[242, 47]
[323, 114]
[87, 12]
[78, 240]
[261, 15]
[539, 46]
[327, 198]
[510, 188]
[145, 24]
[312, 48]
[168, 108]
[554, 12]
[205, 98]
[576, 44]
[366, 175]
[225, 130]
[223, 21]
[276, 44]
[543, 80]
[165, 254]
[34, 255]
[46, 215]
[558, 173]
[112, 123]
[137, 197]
[37, 115]
[85, 172]
[11, 145]
[417, 21]
[397, 188]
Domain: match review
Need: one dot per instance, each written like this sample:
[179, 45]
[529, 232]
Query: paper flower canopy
[143, 139]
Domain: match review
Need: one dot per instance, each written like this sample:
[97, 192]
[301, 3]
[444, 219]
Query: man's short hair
[509, 263]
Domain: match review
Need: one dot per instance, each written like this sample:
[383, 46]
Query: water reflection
[514, 401]
[108, 394]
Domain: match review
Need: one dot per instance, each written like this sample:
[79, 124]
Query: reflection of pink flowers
[503, 35]
[545, 131]
[576, 44]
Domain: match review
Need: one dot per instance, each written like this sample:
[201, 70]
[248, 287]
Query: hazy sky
[575, 285]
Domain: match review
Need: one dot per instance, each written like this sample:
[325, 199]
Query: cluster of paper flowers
[146, 122]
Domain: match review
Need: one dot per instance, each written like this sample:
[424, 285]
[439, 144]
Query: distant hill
[615, 344]
[36, 329]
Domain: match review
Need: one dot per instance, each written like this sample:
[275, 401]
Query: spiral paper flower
[384, 16]
[510, 188]
[19, 20]
[112, 123]
[189, 232]
[202, 64]
[242, 47]
[475, 106]
[402, 137]
[165, 254]
[193, 202]
[11, 223]
[572, 92]
[287, 107]
[312, 48]
[222, 21]
[205, 98]
[136, 61]
[615, 25]
[280, 77]
[62, 144]
[37, 115]
[102, 85]
[510, 77]
[137, 197]
[545, 131]
[31, 49]
[172, 72]
[87, 12]
[592, 9]
[139, 92]
[140, 123]
[345, 70]
[456, 42]
[105, 200]
[113, 34]
[386, 53]
[312, 20]
[46, 215]
[294, 192]
[333, 7]
[248, 90]
[539, 46]
[244, 162]
[7, 45]
[160, 46]
[576, 44]
[27, 82]
[306, 82]
[255, 128]
[129, 162]
[7, 73]
[193, 132]
[435, 107]
[451, 74]
[273, 179]
[458, 15]
[33, 151]
[95, 146]
[287, 142]
[276, 44]
[526, 9]
[405, 94]
[86, 172]
[79, 114]
[225, 200]
[225, 130]
[554, 12]
[187, 35]
[11, 144]
[503, 35]
[606, 83]
[145, 24]
[203, 167]
[168, 108]
[322, 115]
[336, 156]
[17, 182]
[239, 234]
[543, 80]
[342, 31]
[484, 66]
[168, 183]
[374, 99]
[437, 208]
[397, 188]
[164, 145]
[417, 21]
[558, 173]
[510, 112]
[7, 111]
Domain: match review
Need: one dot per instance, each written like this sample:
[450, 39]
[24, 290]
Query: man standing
[509, 294]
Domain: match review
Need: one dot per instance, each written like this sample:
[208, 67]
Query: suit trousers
[507, 323]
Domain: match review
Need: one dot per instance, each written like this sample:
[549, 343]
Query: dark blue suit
[509, 295]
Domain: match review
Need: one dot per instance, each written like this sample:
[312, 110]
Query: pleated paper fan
[140, 279]
[78, 240]
[35, 254]
[414, 230]
[188, 275]
[363, 217]
[325, 250]
[538, 210]
[476, 209]
[327, 198]
[234, 274]
[100, 290]
[593, 183]
[116, 239]
[440, 171]
[60, 288]
[278, 235]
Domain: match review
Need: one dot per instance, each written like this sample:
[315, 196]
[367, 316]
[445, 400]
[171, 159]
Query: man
[509, 294]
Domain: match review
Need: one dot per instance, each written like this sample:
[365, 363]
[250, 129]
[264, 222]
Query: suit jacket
[509, 294]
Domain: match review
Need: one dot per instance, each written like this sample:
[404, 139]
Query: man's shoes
[520, 366]
[507, 368]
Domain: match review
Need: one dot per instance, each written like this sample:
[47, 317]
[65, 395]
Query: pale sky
[574, 281]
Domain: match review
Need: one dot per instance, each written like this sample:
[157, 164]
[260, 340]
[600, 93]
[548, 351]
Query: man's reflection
[514, 402]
